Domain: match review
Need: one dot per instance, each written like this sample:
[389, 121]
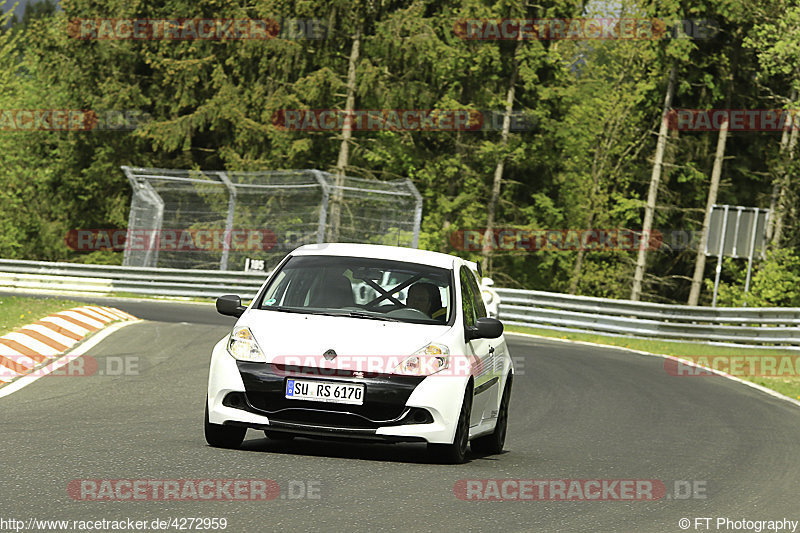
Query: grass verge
[159, 297]
[787, 384]
[16, 311]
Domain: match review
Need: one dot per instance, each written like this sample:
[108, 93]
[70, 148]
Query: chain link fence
[202, 219]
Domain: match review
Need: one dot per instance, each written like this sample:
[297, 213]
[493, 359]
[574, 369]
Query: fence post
[417, 213]
[226, 246]
[323, 208]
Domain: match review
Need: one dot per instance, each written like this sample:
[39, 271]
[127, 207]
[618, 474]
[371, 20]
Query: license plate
[325, 391]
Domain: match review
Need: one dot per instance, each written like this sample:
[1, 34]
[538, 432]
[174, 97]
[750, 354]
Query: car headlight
[242, 346]
[428, 360]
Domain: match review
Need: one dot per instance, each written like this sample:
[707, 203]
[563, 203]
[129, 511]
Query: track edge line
[774, 394]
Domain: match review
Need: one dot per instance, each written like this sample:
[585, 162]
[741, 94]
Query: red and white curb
[37, 345]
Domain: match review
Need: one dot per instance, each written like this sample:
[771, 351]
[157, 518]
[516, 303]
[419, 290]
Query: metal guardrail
[538, 309]
[745, 325]
[105, 279]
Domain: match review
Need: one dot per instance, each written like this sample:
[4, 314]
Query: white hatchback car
[413, 357]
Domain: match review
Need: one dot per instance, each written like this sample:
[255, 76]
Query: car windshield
[362, 288]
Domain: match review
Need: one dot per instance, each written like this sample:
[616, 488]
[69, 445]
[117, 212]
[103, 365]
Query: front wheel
[494, 442]
[456, 453]
[221, 436]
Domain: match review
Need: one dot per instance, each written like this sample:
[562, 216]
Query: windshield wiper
[354, 314]
[281, 308]
[360, 314]
[302, 311]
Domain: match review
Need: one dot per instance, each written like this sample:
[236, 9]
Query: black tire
[221, 436]
[278, 435]
[494, 442]
[456, 453]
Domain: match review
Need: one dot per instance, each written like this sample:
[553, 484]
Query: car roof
[394, 253]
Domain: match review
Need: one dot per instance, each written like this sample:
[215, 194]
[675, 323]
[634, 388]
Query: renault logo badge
[330, 355]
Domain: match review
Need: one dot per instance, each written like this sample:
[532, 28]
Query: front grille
[275, 403]
[326, 414]
[385, 395]
[323, 418]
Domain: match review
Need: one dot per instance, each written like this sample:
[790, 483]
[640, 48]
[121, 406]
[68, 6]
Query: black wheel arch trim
[483, 387]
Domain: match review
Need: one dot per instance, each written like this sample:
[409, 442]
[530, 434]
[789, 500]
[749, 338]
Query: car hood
[284, 334]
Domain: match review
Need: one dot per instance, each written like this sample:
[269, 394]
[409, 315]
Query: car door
[479, 350]
[493, 365]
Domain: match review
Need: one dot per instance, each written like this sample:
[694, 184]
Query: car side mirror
[485, 328]
[230, 305]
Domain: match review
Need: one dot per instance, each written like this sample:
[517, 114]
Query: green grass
[195, 299]
[16, 311]
[121, 294]
[786, 385]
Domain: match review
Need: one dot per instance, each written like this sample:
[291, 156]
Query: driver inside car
[425, 297]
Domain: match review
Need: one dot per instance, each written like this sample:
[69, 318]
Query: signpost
[736, 231]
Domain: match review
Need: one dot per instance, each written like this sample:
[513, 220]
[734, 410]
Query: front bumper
[396, 408]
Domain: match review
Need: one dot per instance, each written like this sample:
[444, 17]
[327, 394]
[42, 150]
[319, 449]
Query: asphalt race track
[577, 412]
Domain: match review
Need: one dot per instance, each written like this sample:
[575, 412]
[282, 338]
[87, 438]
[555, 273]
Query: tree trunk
[491, 209]
[652, 192]
[779, 213]
[577, 267]
[776, 185]
[344, 148]
[716, 172]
